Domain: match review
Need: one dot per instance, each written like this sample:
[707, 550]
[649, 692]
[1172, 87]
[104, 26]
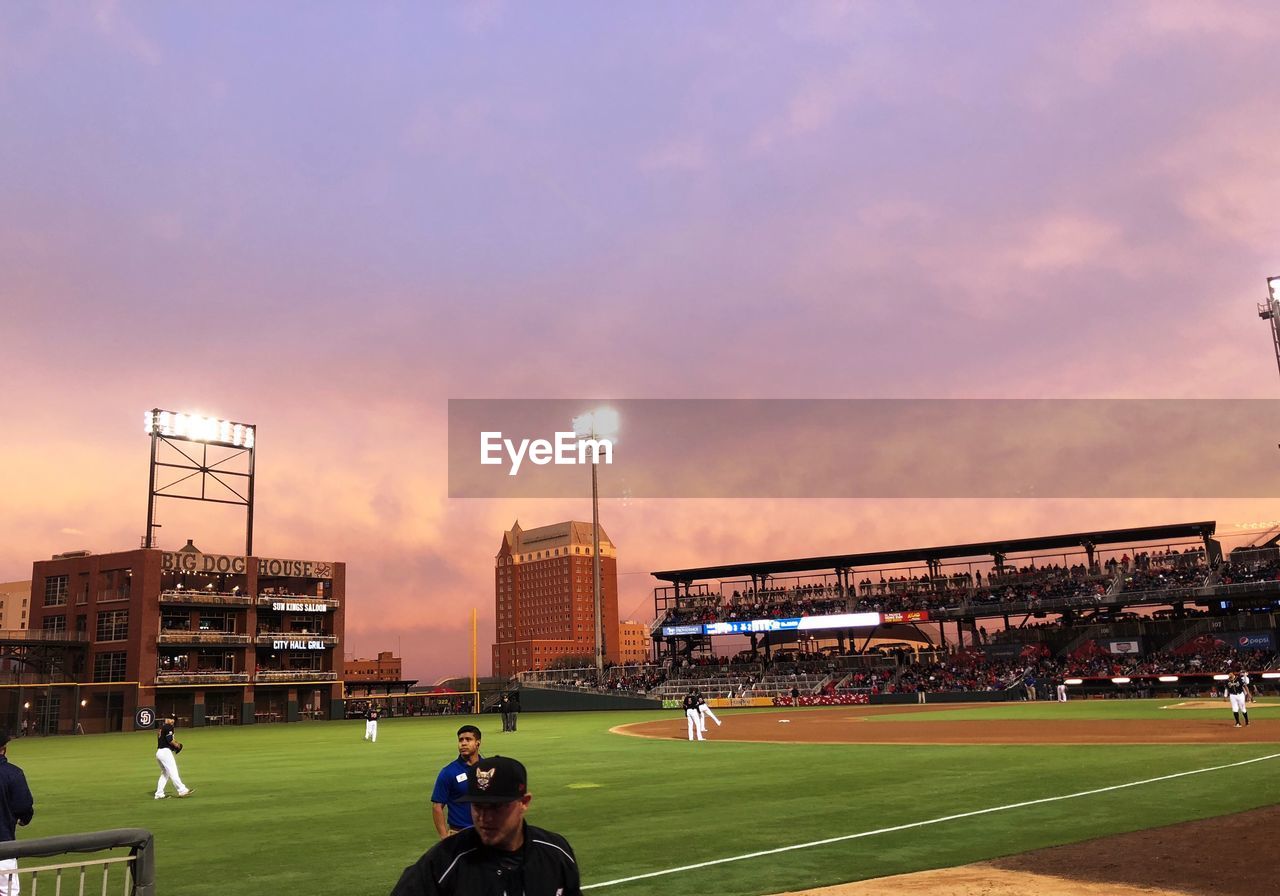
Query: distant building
[14, 597]
[206, 638]
[543, 600]
[385, 668]
[634, 643]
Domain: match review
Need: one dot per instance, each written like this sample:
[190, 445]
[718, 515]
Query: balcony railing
[266, 675]
[298, 603]
[179, 636]
[202, 678]
[268, 639]
[35, 634]
[205, 598]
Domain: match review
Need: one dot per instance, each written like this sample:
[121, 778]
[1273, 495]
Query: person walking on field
[167, 750]
[1238, 693]
[371, 723]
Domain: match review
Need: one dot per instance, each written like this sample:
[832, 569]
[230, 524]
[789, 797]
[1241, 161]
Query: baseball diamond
[869, 792]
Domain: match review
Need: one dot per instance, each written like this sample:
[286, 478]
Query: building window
[55, 591]
[108, 667]
[54, 625]
[113, 625]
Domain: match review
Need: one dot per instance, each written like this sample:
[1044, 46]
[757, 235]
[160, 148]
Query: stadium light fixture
[1074, 681]
[1220, 678]
[600, 423]
[1121, 680]
[1168, 678]
[1273, 288]
[1271, 674]
[198, 428]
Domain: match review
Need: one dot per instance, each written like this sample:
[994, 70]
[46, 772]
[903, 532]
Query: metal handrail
[138, 841]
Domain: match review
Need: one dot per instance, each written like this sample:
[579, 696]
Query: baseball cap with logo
[499, 779]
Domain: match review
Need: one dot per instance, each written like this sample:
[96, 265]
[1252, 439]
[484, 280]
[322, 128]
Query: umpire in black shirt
[502, 855]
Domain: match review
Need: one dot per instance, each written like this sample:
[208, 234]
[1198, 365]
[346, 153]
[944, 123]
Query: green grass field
[312, 808]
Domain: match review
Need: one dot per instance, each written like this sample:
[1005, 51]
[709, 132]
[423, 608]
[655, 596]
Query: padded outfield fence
[131, 874]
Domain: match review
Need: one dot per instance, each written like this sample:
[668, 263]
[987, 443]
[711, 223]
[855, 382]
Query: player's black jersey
[371, 715]
[1235, 687]
[690, 702]
[165, 738]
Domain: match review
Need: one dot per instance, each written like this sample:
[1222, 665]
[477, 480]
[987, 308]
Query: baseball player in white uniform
[1062, 691]
[166, 756]
[693, 717]
[703, 711]
[1238, 693]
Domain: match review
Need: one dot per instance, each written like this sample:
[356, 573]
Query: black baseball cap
[499, 779]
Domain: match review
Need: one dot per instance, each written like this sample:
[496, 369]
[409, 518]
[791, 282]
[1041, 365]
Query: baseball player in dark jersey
[167, 756]
[1238, 693]
[692, 716]
[371, 723]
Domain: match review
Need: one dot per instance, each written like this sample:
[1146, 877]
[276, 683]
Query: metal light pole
[602, 424]
[595, 571]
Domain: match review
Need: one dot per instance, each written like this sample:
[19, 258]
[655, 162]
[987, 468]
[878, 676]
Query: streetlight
[601, 423]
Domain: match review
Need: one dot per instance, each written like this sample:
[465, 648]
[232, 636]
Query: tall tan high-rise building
[13, 604]
[543, 600]
[634, 642]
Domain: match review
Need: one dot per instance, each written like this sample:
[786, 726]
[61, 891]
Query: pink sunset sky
[329, 220]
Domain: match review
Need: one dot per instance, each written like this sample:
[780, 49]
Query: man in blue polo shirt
[16, 807]
[448, 811]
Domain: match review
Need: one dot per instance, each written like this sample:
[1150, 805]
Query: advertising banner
[908, 616]
[1253, 641]
[1131, 648]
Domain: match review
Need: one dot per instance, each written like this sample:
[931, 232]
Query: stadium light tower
[601, 423]
[170, 428]
[1271, 312]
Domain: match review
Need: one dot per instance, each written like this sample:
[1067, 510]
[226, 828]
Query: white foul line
[920, 824]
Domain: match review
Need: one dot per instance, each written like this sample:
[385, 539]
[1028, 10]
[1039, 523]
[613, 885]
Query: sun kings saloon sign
[189, 561]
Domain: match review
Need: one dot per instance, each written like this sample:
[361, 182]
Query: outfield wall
[535, 699]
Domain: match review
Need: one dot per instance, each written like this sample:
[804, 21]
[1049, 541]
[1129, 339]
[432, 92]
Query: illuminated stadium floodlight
[601, 423]
[1121, 680]
[194, 428]
[1220, 677]
[1270, 312]
[1168, 679]
[226, 477]
[1073, 681]
[1271, 674]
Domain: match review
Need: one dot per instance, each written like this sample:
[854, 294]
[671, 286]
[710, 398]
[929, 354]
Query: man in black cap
[502, 853]
[16, 807]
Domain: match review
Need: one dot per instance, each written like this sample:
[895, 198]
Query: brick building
[543, 600]
[207, 638]
[385, 668]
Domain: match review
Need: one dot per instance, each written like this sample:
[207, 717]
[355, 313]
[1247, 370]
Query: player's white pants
[9, 884]
[168, 772]
[705, 711]
[371, 731]
[1062, 693]
[1237, 703]
[694, 719]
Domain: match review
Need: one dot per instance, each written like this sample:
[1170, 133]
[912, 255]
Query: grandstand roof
[1099, 538]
